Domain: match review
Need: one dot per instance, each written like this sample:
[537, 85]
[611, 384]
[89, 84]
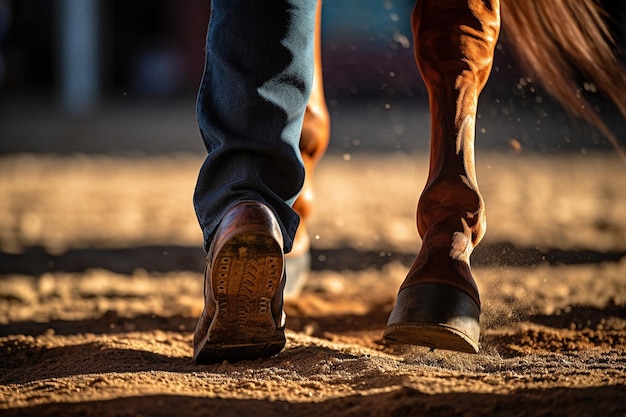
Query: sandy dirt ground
[101, 285]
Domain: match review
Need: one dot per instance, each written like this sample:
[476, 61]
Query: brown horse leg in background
[313, 143]
[438, 304]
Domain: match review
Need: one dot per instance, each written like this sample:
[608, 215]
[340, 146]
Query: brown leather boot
[244, 279]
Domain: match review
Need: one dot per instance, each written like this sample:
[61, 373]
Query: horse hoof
[297, 269]
[437, 316]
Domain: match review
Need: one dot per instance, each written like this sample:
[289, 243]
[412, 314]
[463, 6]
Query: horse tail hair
[557, 41]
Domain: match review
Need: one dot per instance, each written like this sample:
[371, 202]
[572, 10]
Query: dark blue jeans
[256, 84]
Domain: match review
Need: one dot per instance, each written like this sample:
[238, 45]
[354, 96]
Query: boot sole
[246, 275]
[437, 316]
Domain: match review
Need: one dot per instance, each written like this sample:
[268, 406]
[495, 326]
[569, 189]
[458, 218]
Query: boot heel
[437, 316]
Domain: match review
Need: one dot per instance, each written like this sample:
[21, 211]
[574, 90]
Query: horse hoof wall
[437, 316]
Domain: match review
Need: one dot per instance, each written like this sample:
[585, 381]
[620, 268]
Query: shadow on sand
[36, 260]
[605, 401]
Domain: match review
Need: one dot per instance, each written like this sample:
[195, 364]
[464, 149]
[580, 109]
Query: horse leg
[313, 143]
[438, 304]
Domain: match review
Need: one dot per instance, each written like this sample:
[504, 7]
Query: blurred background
[117, 76]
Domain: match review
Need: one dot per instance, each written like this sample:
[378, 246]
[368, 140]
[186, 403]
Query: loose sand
[101, 285]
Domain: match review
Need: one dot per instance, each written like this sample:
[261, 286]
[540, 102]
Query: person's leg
[256, 84]
[438, 304]
[251, 103]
